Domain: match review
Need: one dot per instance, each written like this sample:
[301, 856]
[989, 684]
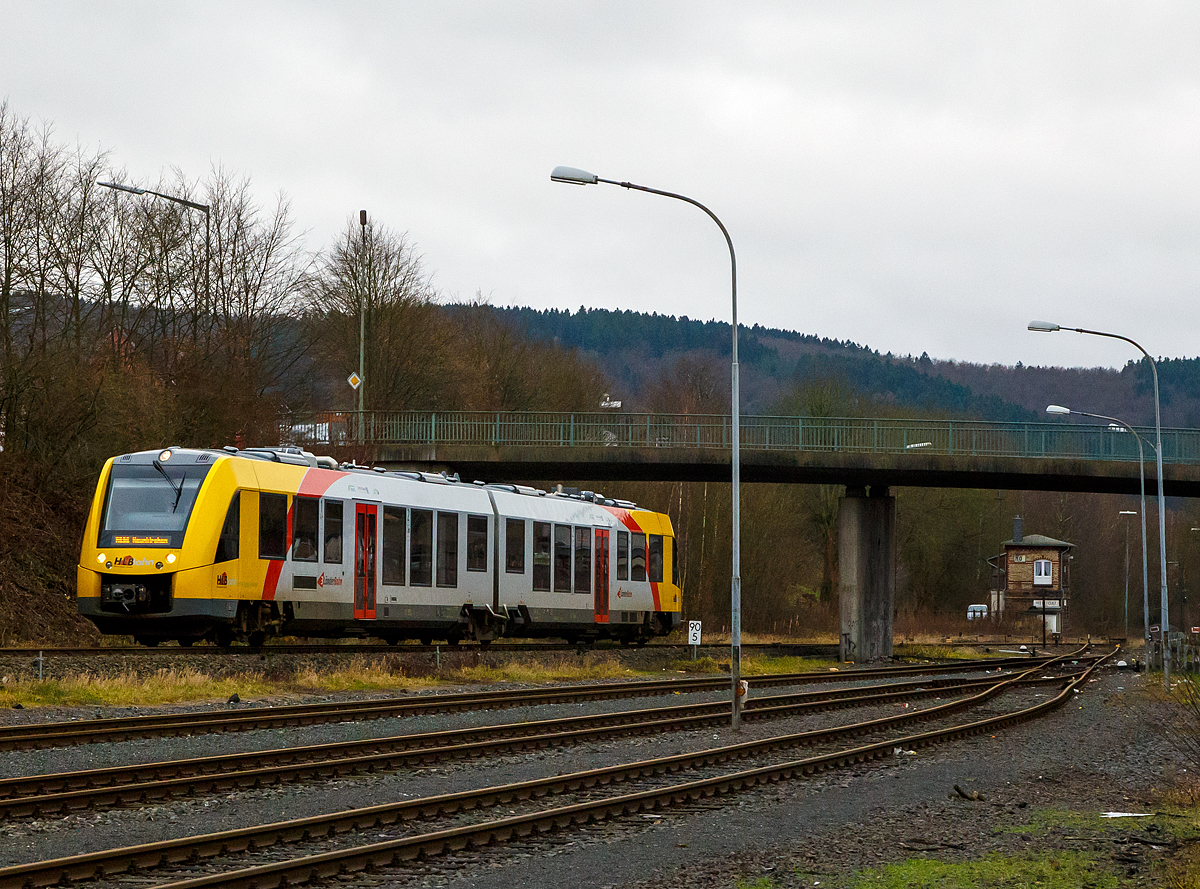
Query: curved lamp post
[1125, 427]
[574, 176]
[1048, 327]
[204, 208]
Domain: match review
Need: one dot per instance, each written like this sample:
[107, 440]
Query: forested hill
[645, 353]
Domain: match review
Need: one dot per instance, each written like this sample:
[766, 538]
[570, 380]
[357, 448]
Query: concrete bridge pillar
[867, 566]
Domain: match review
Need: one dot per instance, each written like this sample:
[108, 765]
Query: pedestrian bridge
[605, 446]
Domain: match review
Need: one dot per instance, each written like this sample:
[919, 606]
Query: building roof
[1037, 540]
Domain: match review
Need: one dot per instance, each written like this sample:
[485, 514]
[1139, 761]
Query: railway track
[185, 855]
[798, 649]
[35, 735]
[43, 795]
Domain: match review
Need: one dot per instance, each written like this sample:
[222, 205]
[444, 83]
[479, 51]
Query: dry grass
[359, 675]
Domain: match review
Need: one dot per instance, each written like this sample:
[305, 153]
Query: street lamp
[204, 208]
[1048, 327]
[1125, 427]
[574, 176]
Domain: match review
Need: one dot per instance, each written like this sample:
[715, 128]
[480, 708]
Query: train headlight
[100, 558]
[170, 558]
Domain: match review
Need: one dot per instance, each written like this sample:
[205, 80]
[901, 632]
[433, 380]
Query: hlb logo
[124, 561]
[222, 579]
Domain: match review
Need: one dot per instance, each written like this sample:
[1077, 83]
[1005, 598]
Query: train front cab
[146, 564]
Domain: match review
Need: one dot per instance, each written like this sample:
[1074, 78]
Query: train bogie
[243, 545]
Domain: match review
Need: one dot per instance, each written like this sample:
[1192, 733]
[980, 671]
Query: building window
[562, 558]
[583, 560]
[1042, 572]
[541, 556]
[272, 526]
[622, 555]
[393, 545]
[420, 548]
[306, 518]
[639, 557]
[333, 532]
[514, 546]
[477, 543]
[447, 546]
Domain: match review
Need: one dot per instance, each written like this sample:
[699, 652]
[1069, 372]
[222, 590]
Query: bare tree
[376, 273]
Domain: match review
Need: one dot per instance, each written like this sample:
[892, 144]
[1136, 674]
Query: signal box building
[1031, 580]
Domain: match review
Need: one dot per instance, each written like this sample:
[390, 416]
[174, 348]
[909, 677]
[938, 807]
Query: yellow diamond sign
[354, 380]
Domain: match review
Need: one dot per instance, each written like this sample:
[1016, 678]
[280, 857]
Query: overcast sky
[912, 176]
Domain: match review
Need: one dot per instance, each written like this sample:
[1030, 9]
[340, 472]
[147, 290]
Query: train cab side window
[447, 549]
[583, 560]
[674, 561]
[333, 532]
[420, 548]
[622, 555]
[562, 558]
[393, 545]
[272, 526]
[227, 545]
[656, 558]
[514, 546]
[477, 541]
[541, 556]
[306, 516]
[638, 559]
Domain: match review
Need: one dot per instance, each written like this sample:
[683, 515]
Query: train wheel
[484, 643]
[625, 641]
[223, 636]
[143, 640]
[257, 638]
[186, 642]
[426, 640]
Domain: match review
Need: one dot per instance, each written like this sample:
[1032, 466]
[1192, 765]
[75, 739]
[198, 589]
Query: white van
[976, 612]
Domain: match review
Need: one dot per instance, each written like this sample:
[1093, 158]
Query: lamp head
[1132, 512]
[1057, 409]
[1043, 326]
[119, 187]
[573, 176]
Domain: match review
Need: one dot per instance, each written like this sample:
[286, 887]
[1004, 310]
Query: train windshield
[149, 504]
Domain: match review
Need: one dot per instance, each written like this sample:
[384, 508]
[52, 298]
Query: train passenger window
[639, 557]
[227, 545]
[420, 548]
[622, 555]
[477, 543]
[656, 558]
[583, 560]
[447, 549]
[333, 532]
[514, 546]
[272, 526]
[306, 518]
[393, 544]
[562, 558]
[674, 561]
[541, 556]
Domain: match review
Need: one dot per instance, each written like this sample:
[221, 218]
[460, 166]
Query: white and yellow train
[238, 545]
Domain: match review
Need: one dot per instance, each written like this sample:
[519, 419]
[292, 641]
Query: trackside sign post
[694, 636]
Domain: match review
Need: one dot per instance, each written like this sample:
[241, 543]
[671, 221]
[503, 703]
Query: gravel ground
[1099, 753]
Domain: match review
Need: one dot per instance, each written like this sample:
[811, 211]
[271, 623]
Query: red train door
[364, 560]
[601, 577]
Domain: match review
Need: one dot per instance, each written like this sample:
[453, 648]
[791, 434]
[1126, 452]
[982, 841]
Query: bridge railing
[712, 431]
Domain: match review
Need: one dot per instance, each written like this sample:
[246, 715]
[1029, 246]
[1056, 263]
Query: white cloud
[925, 176]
